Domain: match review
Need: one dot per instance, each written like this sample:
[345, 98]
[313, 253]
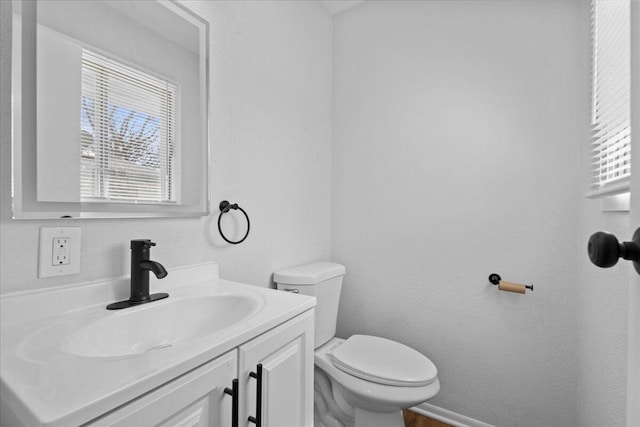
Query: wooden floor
[412, 419]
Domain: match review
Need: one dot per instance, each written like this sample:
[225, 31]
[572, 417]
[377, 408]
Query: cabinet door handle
[257, 420]
[233, 392]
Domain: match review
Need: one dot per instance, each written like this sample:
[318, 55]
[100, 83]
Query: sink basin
[159, 325]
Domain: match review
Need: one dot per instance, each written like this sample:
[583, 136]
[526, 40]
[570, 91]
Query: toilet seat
[370, 395]
[383, 361]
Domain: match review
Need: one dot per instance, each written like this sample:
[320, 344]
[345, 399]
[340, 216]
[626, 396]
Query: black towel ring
[224, 208]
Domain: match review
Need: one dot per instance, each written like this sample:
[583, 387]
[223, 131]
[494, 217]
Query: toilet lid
[383, 361]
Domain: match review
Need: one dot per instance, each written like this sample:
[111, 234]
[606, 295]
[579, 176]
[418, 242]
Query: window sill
[615, 203]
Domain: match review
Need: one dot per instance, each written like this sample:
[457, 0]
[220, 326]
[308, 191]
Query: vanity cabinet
[280, 361]
[276, 370]
[196, 399]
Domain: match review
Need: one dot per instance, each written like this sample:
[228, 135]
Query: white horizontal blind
[128, 127]
[611, 144]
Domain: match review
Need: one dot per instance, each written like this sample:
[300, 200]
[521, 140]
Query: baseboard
[446, 416]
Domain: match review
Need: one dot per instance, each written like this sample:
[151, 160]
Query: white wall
[457, 141]
[271, 153]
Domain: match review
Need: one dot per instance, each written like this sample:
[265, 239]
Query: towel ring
[225, 206]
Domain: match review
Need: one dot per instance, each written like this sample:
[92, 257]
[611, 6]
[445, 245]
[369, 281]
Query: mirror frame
[24, 143]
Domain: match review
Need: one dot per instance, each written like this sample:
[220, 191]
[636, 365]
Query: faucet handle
[140, 244]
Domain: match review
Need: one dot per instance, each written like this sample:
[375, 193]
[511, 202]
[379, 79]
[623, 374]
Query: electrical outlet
[59, 253]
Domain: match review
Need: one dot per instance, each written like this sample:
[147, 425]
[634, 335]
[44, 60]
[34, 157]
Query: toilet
[364, 380]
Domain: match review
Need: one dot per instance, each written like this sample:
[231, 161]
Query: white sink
[159, 325]
[65, 359]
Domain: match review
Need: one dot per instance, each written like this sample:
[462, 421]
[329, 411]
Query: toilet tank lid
[309, 274]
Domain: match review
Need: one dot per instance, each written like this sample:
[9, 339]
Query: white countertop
[48, 386]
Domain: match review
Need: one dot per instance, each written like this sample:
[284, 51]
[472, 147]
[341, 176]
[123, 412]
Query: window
[128, 136]
[611, 145]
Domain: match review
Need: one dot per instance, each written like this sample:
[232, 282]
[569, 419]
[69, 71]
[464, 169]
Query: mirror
[109, 109]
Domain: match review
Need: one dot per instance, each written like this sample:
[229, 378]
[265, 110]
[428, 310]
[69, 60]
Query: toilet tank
[322, 280]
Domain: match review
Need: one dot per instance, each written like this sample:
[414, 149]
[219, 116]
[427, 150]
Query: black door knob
[604, 249]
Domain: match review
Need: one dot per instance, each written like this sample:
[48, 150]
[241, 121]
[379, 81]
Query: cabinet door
[194, 399]
[286, 357]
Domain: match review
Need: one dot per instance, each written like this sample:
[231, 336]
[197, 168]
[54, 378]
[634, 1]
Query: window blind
[128, 133]
[611, 143]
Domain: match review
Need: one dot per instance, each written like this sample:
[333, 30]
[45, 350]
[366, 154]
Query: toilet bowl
[371, 393]
[362, 381]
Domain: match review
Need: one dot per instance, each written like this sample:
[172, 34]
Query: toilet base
[330, 409]
[366, 418]
[326, 411]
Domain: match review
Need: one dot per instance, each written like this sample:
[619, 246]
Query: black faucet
[140, 267]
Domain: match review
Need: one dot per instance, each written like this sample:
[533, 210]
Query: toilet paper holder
[495, 279]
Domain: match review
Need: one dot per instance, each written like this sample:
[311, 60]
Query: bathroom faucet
[141, 265]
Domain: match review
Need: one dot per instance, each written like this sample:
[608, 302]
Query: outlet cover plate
[46, 254]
